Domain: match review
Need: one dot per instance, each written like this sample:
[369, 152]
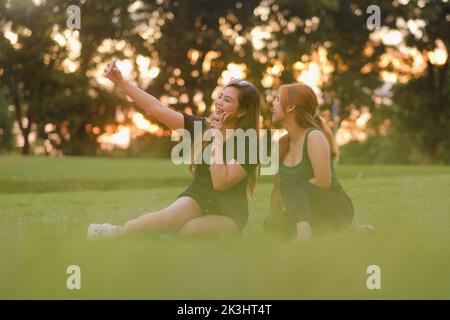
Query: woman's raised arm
[148, 103]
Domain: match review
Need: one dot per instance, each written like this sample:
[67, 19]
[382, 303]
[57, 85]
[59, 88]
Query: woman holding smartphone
[216, 200]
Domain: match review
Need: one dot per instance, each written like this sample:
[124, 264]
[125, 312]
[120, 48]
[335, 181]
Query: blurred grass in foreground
[46, 205]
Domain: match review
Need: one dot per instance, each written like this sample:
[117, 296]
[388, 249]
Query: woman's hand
[219, 121]
[113, 73]
[216, 121]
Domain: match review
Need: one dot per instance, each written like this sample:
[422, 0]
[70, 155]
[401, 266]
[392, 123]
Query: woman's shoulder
[315, 133]
[190, 121]
[316, 136]
[190, 117]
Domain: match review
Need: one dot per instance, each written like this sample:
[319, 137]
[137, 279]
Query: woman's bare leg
[166, 220]
[209, 225]
[364, 229]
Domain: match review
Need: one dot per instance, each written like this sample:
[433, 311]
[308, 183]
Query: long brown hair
[307, 110]
[249, 99]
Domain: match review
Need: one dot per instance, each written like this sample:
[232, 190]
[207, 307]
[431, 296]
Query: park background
[74, 150]
[384, 89]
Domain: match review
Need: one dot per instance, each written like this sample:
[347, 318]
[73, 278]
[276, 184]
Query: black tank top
[304, 168]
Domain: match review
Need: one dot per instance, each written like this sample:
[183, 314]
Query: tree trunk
[24, 130]
[433, 157]
[26, 144]
[26, 139]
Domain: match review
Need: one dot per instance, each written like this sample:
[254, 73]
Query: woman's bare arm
[148, 103]
[224, 175]
[276, 204]
[319, 154]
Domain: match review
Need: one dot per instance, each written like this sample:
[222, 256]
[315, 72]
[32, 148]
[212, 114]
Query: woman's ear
[291, 108]
[241, 113]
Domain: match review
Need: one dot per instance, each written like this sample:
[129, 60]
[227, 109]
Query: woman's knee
[189, 228]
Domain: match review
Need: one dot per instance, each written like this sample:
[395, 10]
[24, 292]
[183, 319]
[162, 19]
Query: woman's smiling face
[227, 101]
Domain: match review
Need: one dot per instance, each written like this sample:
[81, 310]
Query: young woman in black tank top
[307, 196]
[216, 200]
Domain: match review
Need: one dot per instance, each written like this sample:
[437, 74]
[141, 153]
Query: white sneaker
[103, 231]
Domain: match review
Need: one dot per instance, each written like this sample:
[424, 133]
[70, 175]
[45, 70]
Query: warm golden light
[193, 55]
[211, 55]
[70, 66]
[146, 72]
[122, 136]
[439, 55]
[354, 128]
[11, 36]
[120, 139]
[233, 71]
[198, 101]
[389, 37]
[143, 124]
[314, 70]
[154, 72]
[68, 40]
[125, 67]
[392, 38]
[311, 75]
[267, 81]
[259, 35]
[388, 76]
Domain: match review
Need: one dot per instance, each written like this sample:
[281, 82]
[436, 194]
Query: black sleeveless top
[304, 168]
[233, 201]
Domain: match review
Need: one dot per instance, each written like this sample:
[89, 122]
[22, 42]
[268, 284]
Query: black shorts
[210, 203]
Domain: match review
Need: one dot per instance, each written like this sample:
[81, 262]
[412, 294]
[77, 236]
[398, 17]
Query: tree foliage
[194, 41]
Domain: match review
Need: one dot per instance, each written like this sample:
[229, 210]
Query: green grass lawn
[47, 204]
